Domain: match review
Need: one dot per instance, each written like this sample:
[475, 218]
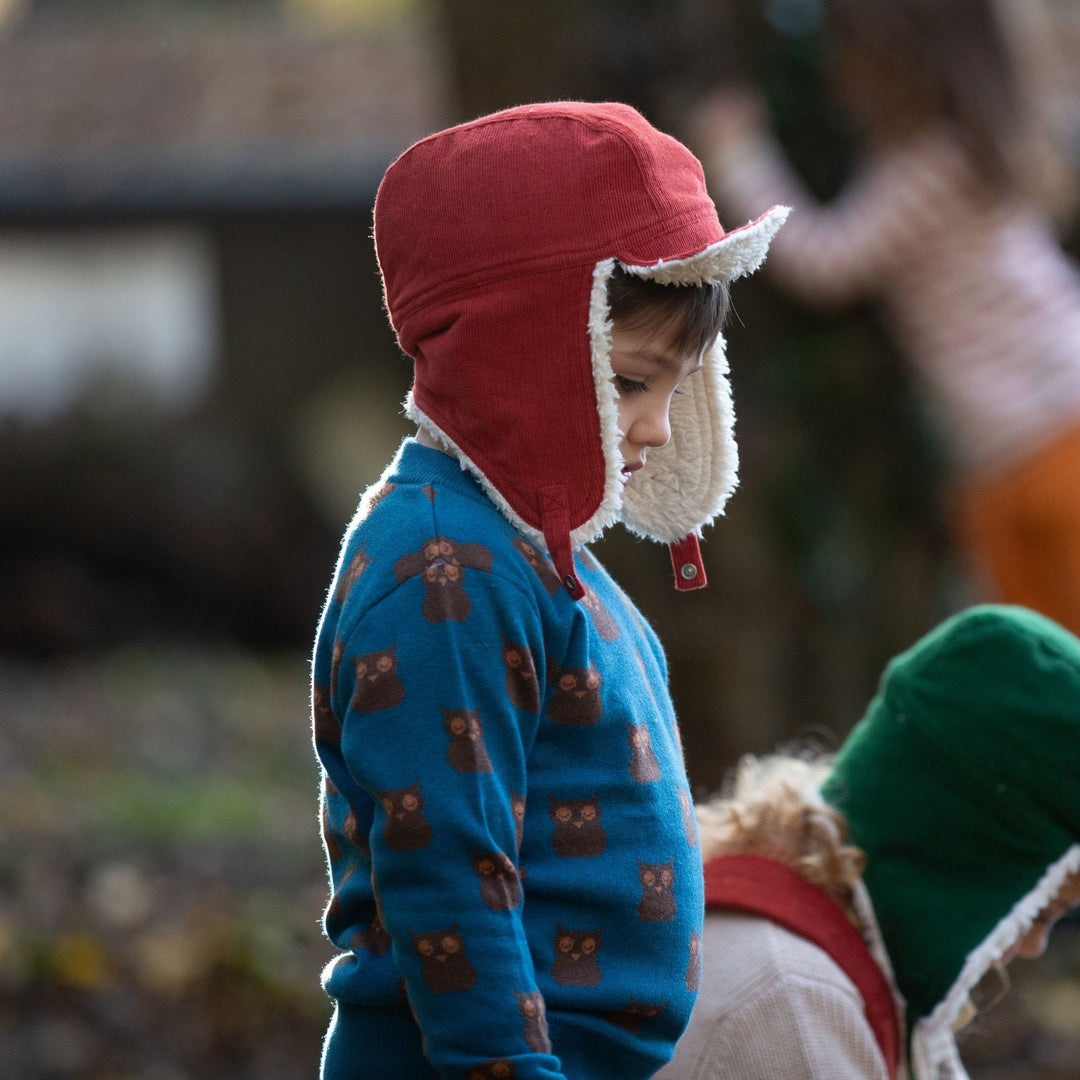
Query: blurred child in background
[946, 224]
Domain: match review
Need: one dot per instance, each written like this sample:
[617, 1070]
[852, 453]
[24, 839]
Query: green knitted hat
[962, 784]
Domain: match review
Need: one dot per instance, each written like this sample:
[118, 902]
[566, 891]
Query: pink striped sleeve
[849, 249]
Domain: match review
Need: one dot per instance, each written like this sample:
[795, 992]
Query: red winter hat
[496, 239]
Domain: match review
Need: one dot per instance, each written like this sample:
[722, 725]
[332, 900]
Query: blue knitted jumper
[516, 883]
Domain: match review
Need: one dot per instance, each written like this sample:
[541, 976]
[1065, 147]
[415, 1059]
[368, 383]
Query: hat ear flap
[687, 482]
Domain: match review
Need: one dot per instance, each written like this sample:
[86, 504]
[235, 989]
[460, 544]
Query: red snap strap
[555, 525]
[687, 564]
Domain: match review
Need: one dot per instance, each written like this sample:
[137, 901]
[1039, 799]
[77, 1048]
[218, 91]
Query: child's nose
[652, 426]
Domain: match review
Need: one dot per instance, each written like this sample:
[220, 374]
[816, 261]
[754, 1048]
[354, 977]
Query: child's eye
[629, 386]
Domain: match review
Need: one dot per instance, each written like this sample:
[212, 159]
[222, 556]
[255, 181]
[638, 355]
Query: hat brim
[738, 253]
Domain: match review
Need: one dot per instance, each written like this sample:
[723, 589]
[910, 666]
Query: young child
[946, 225]
[516, 885]
[944, 842]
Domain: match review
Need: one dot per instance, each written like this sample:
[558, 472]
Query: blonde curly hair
[770, 806]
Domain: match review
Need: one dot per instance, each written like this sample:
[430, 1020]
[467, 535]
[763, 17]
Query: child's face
[648, 369]
[1033, 943]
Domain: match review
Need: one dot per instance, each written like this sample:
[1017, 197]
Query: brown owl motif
[540, 563]
[657, 903]
[377, 684]
[443, 963]
[406, 828]
[578, 832]
[534, 1012]
[333, 908]
[605, 625]
[355, 833]
[644, 767]
[326, 726]
[466, 751]
[517, 806]
[630, 1018]
[442, 563]
[689, 823]
[335, 665]
[357, 565]
[693, 967]
[372, 497]
[500, 886]
[522, 684]
[374, 938]
[575, 957]
[577, 695]
[333, 848]
[495, 1069]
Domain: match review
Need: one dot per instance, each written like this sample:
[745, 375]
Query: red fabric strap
[687, 564]
[761, 886]
[555, 522]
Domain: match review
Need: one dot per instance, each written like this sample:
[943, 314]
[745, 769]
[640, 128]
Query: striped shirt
[978, 292]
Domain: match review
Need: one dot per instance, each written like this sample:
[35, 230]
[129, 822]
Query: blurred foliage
[161, 876]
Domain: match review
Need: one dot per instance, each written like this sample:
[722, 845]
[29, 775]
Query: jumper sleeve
[845, 250]
[433, 738]
[798, 1028]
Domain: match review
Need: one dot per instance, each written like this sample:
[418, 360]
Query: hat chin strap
[555, 525]
[687, 563]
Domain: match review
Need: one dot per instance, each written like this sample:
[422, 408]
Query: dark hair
[689, 315]
[960, 52]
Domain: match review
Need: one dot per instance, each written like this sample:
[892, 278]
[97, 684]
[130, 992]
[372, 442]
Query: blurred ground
[160, 877]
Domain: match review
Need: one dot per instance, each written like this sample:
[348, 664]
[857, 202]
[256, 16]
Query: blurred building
[188, 298]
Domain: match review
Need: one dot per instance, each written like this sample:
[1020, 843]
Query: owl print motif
[441, 564]
[406, 828]
[355, 834]
[333, 848]
[688, 820]
[326, 726]
[630, 1018]
[443, 963]
[577, 695]
[333, 908]
[377, 684]
[372, 497]
[517, 807]
[605, 625]
[357, 565]
[495, 1069]
[540, 563]
[500, 885]
[466, 752]
[693, 966]
[534, 1013]
[578, 832]
[576, 957]
[335, 665]
[373, 938]
[657, 903]
[644, 768]
[522, 683]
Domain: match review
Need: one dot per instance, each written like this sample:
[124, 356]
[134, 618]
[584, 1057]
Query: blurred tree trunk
[504, 54]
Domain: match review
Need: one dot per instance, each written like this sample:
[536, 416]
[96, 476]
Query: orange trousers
[1023, 530]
